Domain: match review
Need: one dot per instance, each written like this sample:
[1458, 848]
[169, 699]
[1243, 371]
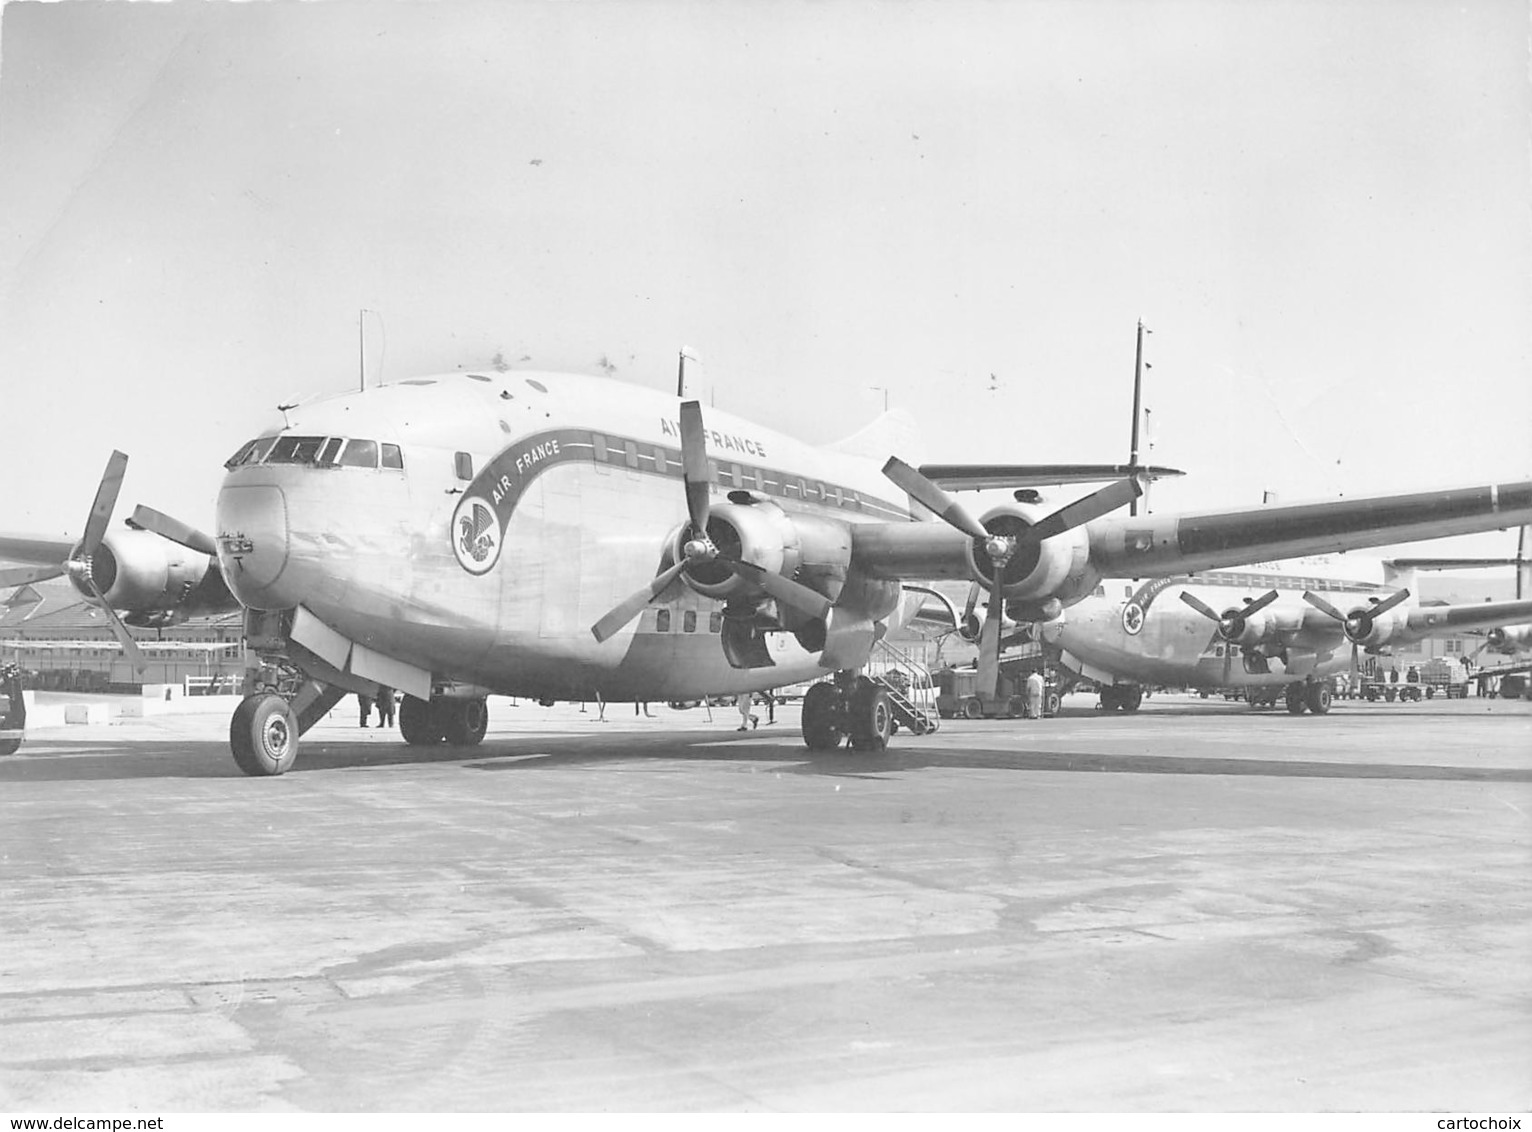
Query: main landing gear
[850, 706]
[1121, 697]
[460, 723]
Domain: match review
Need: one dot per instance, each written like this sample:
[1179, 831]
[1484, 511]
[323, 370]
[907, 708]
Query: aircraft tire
[465, 722]
[1294, 697]
[822, 718]
[9, 746]
[1131, 698]
[1318, 698]
[420, 723]
[973, 709]
[263, 736]
[872, 718]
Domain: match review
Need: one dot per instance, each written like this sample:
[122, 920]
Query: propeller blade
[1261, 602]
[694, 465]
[1200, 606]
[148, 519]
[119, 630]
[989, 645]
[989, 657]
[1389, 602]
[1356, 663]
[968, 617]
[929, 495]
[632, 606]
[1323, 606]
[1081, 511]
[785, 590]
[21, 575]
[1228, 661]
[105, 503]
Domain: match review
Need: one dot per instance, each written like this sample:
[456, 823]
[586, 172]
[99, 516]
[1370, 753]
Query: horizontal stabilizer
[994, 477]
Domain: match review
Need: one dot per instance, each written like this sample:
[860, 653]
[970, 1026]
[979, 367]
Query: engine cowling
[1038, 575]
[1373, 630]
[1510, 638]
[148, 578]
[814, 551]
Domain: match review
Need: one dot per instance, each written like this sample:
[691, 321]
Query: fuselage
[476, 526]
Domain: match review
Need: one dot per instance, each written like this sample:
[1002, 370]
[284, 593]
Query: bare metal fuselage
[590, 488]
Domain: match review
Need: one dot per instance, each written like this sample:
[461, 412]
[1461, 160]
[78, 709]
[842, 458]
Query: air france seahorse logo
[475, 535]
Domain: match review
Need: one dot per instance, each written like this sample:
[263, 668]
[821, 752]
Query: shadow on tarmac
[61, 761]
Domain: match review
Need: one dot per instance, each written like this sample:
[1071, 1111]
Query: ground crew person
[1034, 704]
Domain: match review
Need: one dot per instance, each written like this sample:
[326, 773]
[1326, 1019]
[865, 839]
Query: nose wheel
[264, 735]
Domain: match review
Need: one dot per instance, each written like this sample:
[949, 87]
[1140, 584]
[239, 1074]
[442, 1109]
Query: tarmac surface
[1198, 907]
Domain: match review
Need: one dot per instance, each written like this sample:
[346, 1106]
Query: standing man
[385, 706]
[366, 705]
[1034, 705]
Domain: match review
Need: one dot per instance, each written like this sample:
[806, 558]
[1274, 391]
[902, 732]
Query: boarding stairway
[908, 684]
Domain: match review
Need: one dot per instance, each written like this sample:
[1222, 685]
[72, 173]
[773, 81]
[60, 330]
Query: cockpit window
[295, 450]
[392, 457]
[251, 453]
[360, 454]
[330, 450]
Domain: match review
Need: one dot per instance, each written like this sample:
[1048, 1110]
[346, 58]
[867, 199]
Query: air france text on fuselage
[525, 461]
[723, 440]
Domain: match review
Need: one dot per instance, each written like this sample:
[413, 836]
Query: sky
[1320, 210]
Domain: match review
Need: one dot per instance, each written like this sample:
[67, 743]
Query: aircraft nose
[253, 543]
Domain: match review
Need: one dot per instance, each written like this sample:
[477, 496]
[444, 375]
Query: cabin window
[689, 621]
[1101, 591]
[1127, 591]
[630, 453]
[714, 622]
[330, 451]
[360, 454]
[295, 450]
[462, 464]
[392, 456]
[823, 494]
[662, 621]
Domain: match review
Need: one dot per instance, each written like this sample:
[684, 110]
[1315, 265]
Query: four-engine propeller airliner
[558, 536]
[1276, 631]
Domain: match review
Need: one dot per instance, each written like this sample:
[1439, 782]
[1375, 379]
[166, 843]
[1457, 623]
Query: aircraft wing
[999, 477]
[1427, 620]
[1157, 545]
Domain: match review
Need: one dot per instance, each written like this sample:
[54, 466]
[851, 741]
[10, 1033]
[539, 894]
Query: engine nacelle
[1247, 629]
[1371, 630]
[149, 578]
[1058, 568]
[1510, 638]
[814, 551]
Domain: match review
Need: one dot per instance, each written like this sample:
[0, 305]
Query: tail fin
[892, 434]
